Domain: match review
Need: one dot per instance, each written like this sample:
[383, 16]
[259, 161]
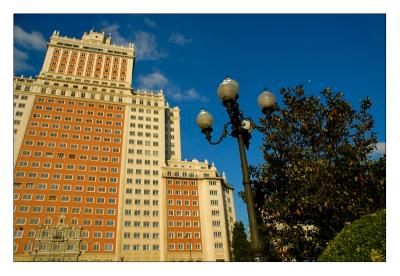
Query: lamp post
[240, 128]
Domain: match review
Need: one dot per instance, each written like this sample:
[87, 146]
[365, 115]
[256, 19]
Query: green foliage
[364, 240]
[240, 244]
[318, 175]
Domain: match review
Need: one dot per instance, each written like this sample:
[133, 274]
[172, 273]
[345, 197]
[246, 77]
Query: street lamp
[240, 128]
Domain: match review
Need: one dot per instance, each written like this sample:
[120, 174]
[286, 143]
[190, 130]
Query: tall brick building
[98, 174]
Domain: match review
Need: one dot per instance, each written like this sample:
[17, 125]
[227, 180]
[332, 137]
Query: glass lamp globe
[228, 89]
[204, 120]
[266, 100]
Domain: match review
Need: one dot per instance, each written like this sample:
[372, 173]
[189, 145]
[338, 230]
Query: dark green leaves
[317, 175]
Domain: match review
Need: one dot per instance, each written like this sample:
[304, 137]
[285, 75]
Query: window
[37, 209]
[96, 247]
[20, 221]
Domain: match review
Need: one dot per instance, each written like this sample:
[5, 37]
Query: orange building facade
[98, 174]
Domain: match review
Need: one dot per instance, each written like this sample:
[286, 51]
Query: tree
[318, 175]
[364, 240]
[240, 244]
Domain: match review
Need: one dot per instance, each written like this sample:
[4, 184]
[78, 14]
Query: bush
[364, 240]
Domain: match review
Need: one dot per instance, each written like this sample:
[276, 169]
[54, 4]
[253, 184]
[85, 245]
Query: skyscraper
[98, 174]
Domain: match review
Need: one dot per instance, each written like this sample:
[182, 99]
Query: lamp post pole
[256, 243]
[240, 129]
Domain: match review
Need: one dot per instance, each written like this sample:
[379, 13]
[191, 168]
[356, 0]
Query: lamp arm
[207, 132]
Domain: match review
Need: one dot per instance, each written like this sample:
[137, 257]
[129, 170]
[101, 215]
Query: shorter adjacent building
[199, 212]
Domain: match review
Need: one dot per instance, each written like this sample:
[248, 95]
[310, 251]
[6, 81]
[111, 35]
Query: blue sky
[189, 55]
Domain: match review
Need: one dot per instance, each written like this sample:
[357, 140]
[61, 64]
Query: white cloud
[179, 39]
[157, 80]
[150, 22]
[154, 80]
[116, 37]
[380, 148]
[20, 61]
[146, 46]
[188, 95]
[33, 40]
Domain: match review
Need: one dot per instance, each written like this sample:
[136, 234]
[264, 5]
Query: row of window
[65, 187]
[144, 235]
[141, 118]
[139, 181]
[184, 182]
[179, 213]
[179, 246]
[65, 198]
[74, 210]
[21, 97]
[147, 126]
[179, 223]
[46, 233]
[145, 224]
[79, 120]
[140, 171]
[77, 111]
[86, 222]
[143, 134]
[142, 161]
[82, 95]
[96, 82]
[71, 146]
[145, 213]
[66, 135]
[69, 166]
[59, 176]
[139, 191]
[79, 103]
[70, 247]
[20, 105]
[185, 192]
[72, 156]
[142, 102]
[24, 88]
[145, 202]
[142, 110]
[143, 152]
[179, 235]
[138, 247]
[178, 202]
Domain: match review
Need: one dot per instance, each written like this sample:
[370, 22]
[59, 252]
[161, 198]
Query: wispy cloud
[150, 23]
[147, 46]
[154, 80]
[157, 80]
[190, 94]
[116, 37]
[179, 39]
[33, 40]
[380, 148]
[21, 61]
